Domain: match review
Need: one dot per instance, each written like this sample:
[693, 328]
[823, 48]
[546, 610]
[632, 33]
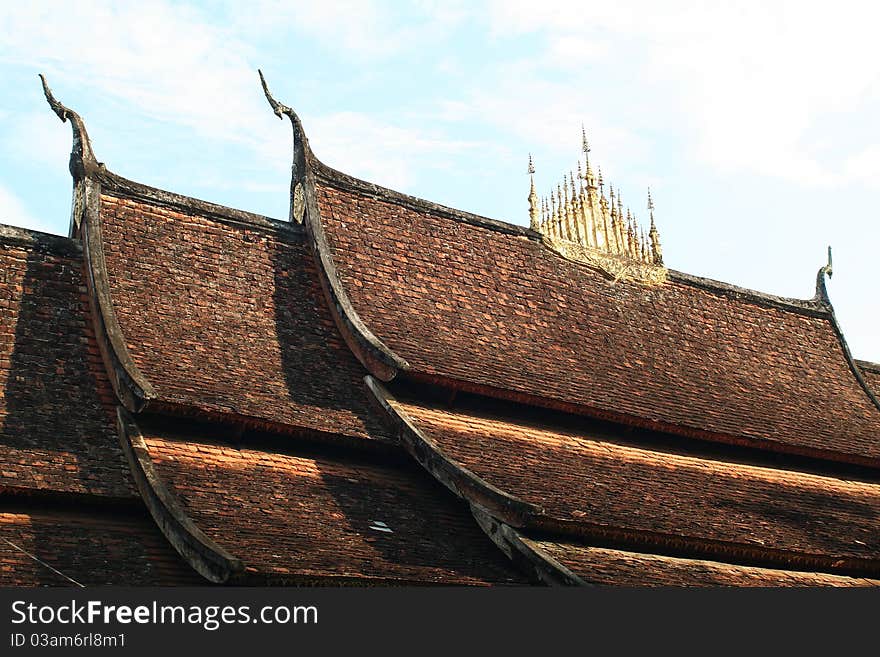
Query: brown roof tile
[605, 566]
[604, 484]
[499, 312]
[57, 431]
[871, 373]
[227, 317]
[310, 517]
[97, 548]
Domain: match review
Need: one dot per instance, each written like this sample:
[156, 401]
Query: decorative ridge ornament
[297, 190]
[582, 225]
[533, 197]
[82, 157]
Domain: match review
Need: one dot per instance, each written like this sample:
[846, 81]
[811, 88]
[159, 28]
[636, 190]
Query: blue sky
[755, 124]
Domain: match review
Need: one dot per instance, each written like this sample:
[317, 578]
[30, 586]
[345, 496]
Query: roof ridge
[131, 189]
[867, 365]
[813, 306]
[27, 237]
[348, 182]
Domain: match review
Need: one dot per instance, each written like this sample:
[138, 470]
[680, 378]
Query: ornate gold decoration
[581, 224]
[533, 196]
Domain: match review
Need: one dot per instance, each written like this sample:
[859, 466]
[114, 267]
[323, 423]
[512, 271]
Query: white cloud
[177, 65]
[750, 80]
[35, 136]
[367, 28]
[387, 154]
[160, 60]
[14, 213]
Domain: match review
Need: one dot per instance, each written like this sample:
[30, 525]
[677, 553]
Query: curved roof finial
[82, 157]
[278, 108]
[301, 153]
[821, 290]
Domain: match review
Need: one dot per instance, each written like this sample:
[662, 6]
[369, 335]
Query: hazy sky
[755, 124]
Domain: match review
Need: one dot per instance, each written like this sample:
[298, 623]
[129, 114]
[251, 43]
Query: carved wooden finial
[82, 157]
[821, 290]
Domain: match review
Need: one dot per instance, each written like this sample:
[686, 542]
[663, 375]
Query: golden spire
[575, 210]
[656, 249]
[581, 223]
[533, 197]
[566, 212]
[585, 147]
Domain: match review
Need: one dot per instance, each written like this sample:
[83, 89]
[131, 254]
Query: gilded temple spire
[582, 224]
[533, 197]
[585, 147]
[656, 249]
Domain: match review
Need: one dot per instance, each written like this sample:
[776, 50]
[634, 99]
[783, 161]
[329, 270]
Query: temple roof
[57, 432]
[88, 547]
[384, 390]
[493, 310]
[602, 483]
[306, 516]
[232, 321]
[606, 567]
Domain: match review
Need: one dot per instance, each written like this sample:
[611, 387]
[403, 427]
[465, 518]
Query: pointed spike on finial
[60, 110]
[278, 108]
[531, 165]
[828, 269]
[600, 180]
[650, 200]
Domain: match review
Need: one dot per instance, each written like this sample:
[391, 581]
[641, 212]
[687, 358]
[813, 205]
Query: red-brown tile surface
[503, 311]
[609, 567]
[57, 430]
[871, 373]
[312, 517]
[94, 549]
[230, 318]
[581, 477]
